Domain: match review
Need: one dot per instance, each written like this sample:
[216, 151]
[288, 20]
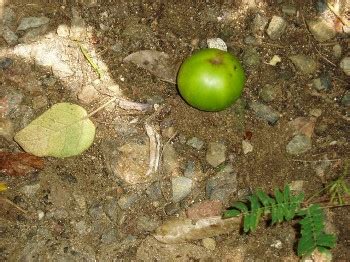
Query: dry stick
[325, 58]
[14, 205]
[101, 107]
[153, 148]
[315, 161]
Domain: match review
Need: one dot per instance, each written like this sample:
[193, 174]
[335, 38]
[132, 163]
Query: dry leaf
[19, 164]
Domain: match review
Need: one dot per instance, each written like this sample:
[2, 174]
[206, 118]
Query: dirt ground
[176, 28]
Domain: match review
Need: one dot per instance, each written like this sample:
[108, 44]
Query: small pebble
[247, 147]
[5, 62]
[181, 187]
[298, 145]
[323, 83]
[32, 22]
[216, 154]
[345, 101]
[195, 143]
[63, 30]
[209, 243]
[305, 64]
[276, 27]
[337, 50]
[289, 9]
[264, 112]
[345, 65]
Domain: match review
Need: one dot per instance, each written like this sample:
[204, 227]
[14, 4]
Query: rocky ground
[291, 126]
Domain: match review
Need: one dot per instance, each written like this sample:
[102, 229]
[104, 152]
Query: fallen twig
[154, 146]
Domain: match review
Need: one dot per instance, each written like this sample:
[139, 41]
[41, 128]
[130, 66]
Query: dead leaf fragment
[19, 164]
[158, 63]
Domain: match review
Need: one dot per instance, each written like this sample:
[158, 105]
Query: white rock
[63, 30]
[275, 60]
[247, 147]
[217, 43]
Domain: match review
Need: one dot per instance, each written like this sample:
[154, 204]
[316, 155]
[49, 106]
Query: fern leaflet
[312, 232]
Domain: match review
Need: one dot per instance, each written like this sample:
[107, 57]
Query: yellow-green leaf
[3, 187]
[62, 131]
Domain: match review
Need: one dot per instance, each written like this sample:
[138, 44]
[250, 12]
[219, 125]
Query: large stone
[298, 145]
[216, 154]
[305, 64]
[32, 22]
[276, 27]
[321, 30]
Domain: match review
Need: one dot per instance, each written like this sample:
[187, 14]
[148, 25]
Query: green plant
[339, 189]
[285, 206]
[211, 79]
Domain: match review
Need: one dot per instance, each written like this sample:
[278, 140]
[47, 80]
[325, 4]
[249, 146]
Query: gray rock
[276, 27]
[289, 9]
[181, 187]
[345, 65]
[321, 30]
[337, 50]
[170, 159]
[30, 190]
[345, 101]
[148, 224]
[264, 112]
[298, 145]
[49, 81]
[34, 34]
[82, 227]
[305, 64]
[109, 237]
[190, 169]
[154, 191]
[251, 57]
[128, 200]
[9, 17]
[222, 185]
[195, 143]
[269, 93]
[250, 40]
[216, 154]
[112, 209]
[172, 208]
[5, 62]
[32, 22]
[10, 37]
[322, 83]
[96, 211]
[259, 23]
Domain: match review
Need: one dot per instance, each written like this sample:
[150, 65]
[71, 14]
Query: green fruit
[211, 79]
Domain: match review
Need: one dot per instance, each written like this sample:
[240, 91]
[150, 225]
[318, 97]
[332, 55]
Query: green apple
[211, 79]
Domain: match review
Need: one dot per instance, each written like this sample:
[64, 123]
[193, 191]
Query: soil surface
[85, 207]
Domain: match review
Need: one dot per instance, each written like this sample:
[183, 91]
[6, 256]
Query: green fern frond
[283, 207]
[312, 232]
